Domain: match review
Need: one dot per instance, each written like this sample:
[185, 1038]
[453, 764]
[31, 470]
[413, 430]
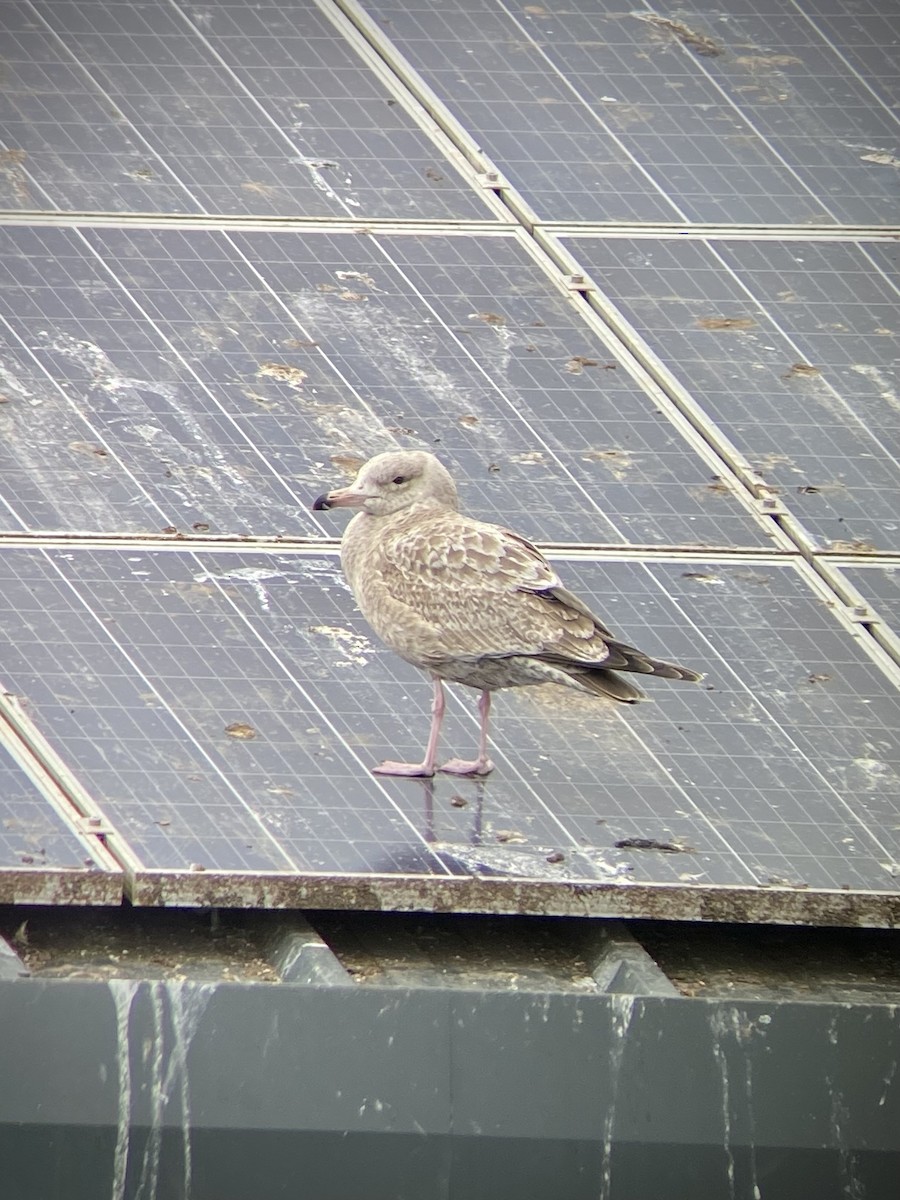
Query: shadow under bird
[468, 601]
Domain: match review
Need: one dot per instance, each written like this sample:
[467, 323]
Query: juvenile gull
[467, 601]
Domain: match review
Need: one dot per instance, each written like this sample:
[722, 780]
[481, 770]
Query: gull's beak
[347, 497]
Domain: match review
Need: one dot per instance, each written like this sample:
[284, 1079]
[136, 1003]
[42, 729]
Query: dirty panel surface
[224, 709]
[880, 584]
[226, 109]
[220, 381]
[790, 347]
[33, 837]
[597, 112]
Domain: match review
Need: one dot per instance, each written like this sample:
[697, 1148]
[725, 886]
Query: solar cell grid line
[55, 601]
[871, 833]
[24, 376]
[624, 729]
[580, 130]
[120, 327]
[786, 348]
[33, 837]
[422, 278]
[877, 582]
[523, 741]
[50, 73]
[187, 348]
[292, 675]
[742, 129]
[660, 798]
[840, 35]
[122, 719]
[190, 152]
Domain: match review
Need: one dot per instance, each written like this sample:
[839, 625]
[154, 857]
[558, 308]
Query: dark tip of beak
[321, 503]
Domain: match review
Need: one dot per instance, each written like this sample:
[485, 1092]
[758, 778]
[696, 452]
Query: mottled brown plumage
[468, 601]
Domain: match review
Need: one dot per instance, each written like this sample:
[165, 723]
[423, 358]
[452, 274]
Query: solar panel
[233, 109]
[42, 859]
[879, 583]
[605, 113]
[198, 379]
[224, 708]
[177, 362]
[788, 347]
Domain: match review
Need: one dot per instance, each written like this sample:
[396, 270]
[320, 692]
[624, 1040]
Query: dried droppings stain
[578, 362]
[90, 448]
[11, 167]
[352, 297]
[360, 276]
[469, 419]
[241, 731]
[528, 457]
[653, 844]
[725, 323]
[299, 344]
[882, 158]
[801, 369]
[458, 802]
[535, 10]
[766, 462]
[259, 189]
[349, 463]
[698, 42]
[757, 578]
[703, 576]
[433, 174]
[538, 324]
[758, 62]
[616, 461]
[509, 835]
[816, 678]
[856, 546]
[326, 287]
[281, 371]
[5, 399]
[719, 486]
[489, 318]
[813, 489]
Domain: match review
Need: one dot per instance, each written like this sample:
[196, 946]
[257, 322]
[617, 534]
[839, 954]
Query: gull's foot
[458, 766]
[410, 770]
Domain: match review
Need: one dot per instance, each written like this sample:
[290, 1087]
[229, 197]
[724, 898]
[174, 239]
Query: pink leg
[426, 766]
[482, 764]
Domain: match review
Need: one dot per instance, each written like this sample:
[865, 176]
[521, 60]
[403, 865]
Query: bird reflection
[472, 796]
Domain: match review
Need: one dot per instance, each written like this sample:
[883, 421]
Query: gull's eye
[398, 479]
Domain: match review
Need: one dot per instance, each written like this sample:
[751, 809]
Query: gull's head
[390, 482]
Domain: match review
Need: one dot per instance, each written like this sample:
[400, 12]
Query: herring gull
[467, 601]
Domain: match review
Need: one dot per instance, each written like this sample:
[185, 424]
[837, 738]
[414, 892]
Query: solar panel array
[632, 277]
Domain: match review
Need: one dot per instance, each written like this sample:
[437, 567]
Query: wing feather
[461, 588]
